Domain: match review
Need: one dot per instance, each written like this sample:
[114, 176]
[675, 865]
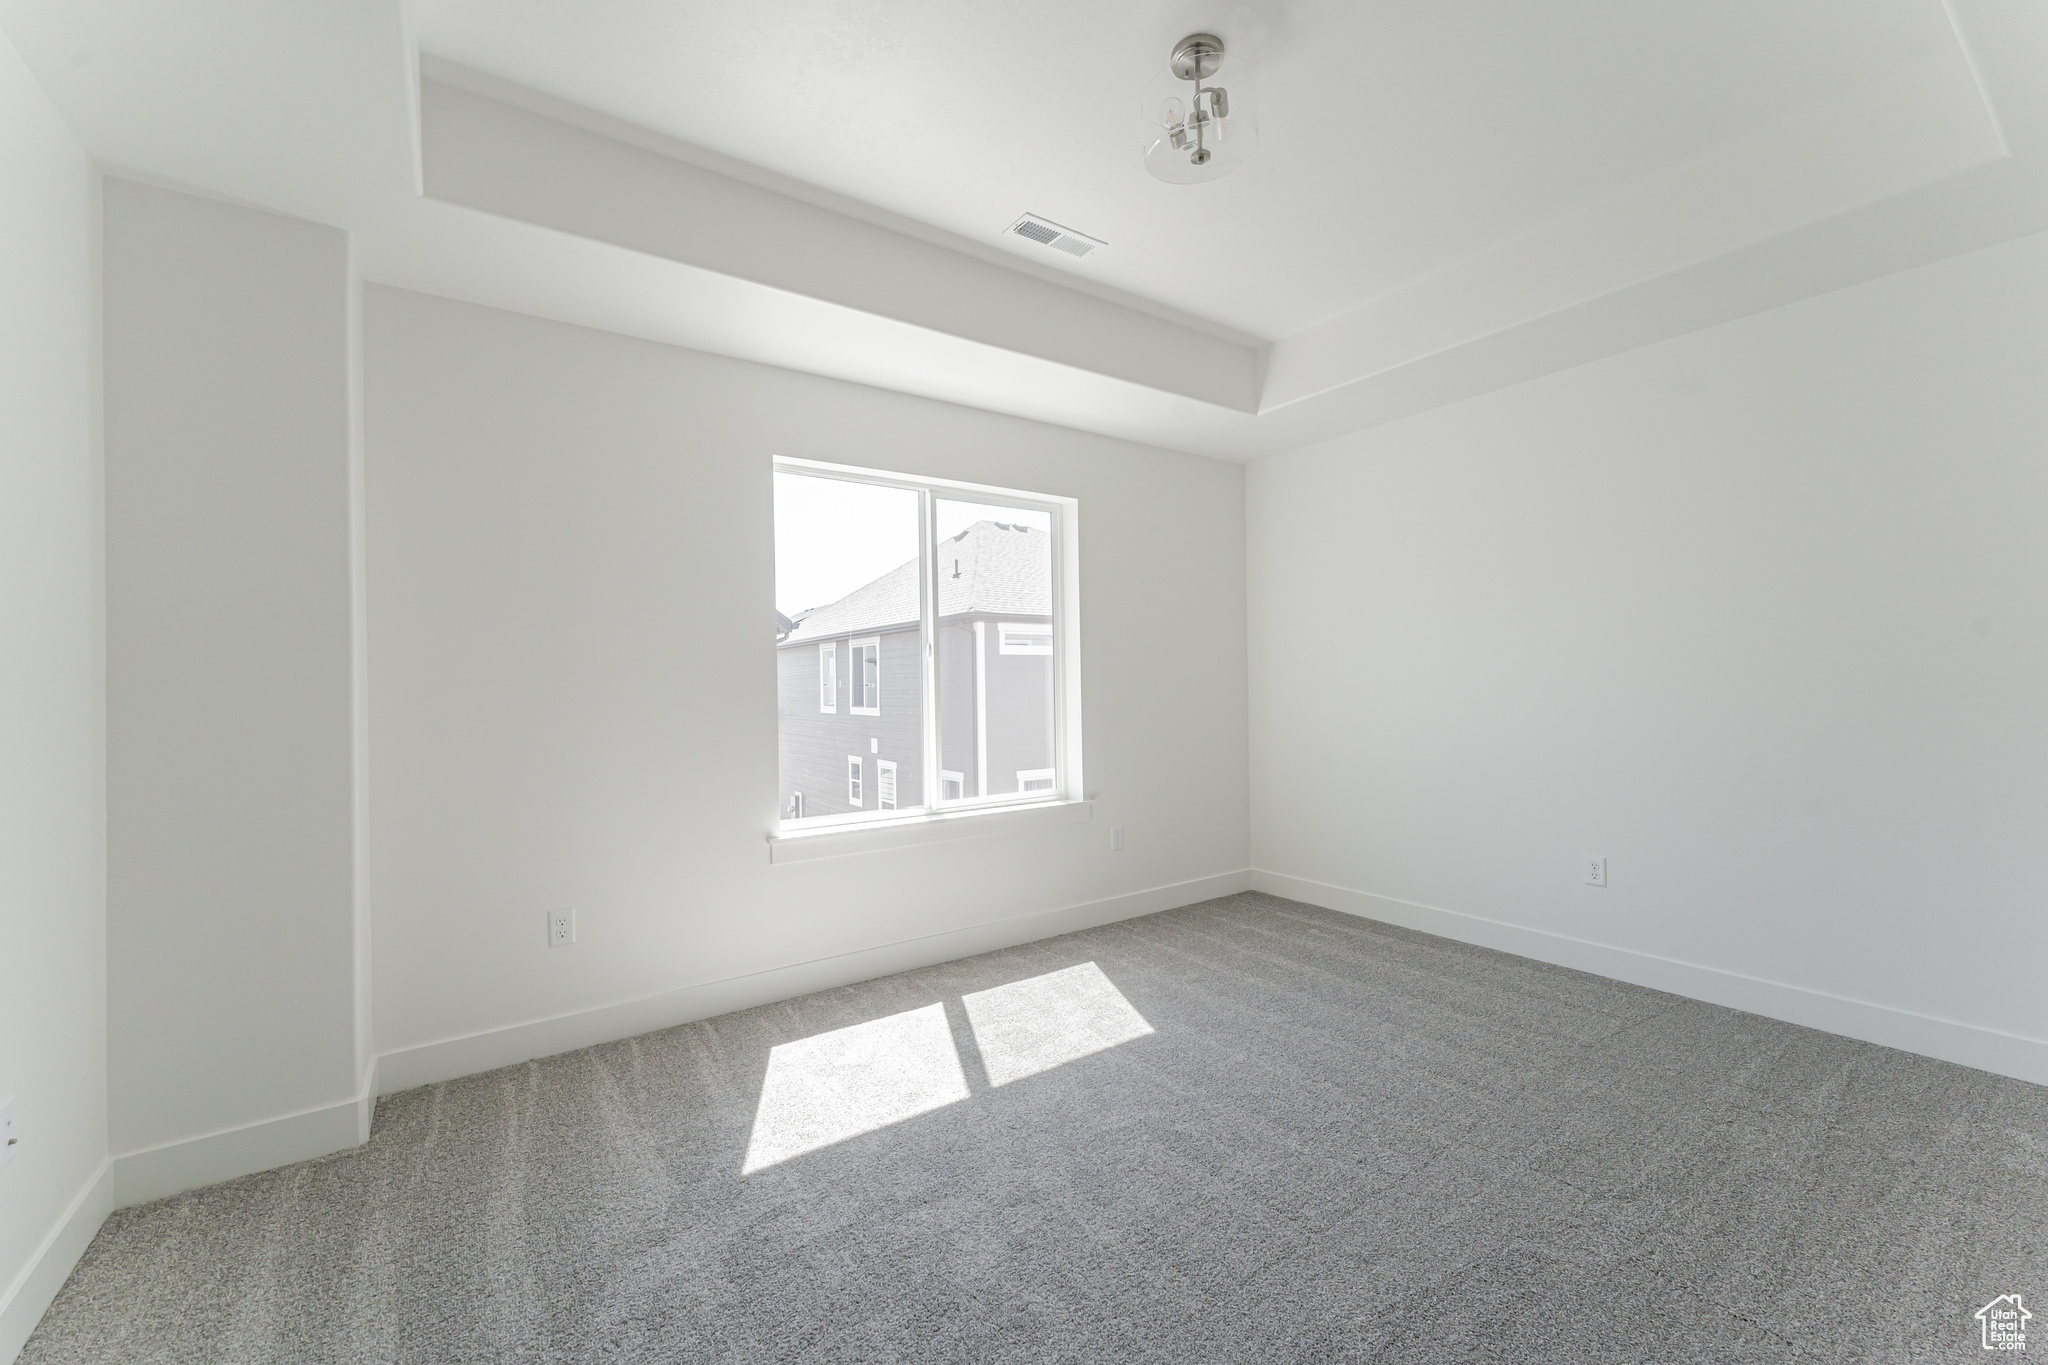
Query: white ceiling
[1398, 138]
[1450, 195]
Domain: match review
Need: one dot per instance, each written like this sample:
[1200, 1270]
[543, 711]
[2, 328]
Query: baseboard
[366, 1102]
[449, 1058]
[173, 1167]
[2007, 1054]
[29, 1297]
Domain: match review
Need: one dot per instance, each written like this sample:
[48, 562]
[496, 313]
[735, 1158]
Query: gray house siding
[1000, 572]
[1019, 714]
[956, 702]
[1018, 707]
[814, 745]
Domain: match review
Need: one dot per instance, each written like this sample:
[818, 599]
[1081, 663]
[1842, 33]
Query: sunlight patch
[850, 1081]
[1031, 1026]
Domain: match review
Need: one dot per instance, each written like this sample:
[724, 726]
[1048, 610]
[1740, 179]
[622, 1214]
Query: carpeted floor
[1338, 1141]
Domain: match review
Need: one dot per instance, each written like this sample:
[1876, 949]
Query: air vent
[1033, 228]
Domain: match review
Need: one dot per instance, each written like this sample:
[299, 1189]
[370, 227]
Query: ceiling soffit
[534, 206]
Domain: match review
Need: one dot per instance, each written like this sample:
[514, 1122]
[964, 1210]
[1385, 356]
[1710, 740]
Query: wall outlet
[561, 927]
[10, 1140]
[1116, 838]
[1596, 869]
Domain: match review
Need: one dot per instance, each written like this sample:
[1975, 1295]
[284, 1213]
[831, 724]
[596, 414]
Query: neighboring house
[850, 681]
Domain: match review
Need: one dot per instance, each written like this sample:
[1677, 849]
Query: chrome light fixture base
[1197, 57]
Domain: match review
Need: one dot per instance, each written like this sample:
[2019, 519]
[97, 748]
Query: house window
[1019, 638]
[960, 592]
[865, 659]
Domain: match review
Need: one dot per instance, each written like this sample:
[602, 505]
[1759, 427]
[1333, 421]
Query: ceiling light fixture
[1197, 134]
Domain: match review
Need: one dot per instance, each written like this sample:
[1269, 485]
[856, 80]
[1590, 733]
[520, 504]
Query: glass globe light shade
[1184, 152]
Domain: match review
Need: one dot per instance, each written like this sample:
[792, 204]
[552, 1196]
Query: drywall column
[54, 1190]
[233, 920]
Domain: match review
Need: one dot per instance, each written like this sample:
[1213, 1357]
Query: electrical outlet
[561, 927]
[1596, 869]
[10, 1140]
[1116, 838]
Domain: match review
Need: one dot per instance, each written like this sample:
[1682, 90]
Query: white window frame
[828, 678]
[885, 784]
[1026, 775]
[1005, 628]
[1067, 788]
[854, 686]
[959, 780]
[855, 787]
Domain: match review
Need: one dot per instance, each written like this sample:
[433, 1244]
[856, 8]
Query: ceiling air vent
[1033, 228]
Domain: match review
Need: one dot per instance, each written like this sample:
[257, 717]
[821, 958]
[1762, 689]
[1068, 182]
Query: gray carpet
[1340, 1141]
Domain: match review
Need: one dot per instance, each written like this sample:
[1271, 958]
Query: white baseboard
[2007, 1054]
[33, 1289]
[449, 1058]
[155, 1172]
[366, 1102]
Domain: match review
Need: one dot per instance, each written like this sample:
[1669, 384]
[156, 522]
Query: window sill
[924, 828]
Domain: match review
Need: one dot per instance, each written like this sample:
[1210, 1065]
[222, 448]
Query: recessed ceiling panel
[1395, 138]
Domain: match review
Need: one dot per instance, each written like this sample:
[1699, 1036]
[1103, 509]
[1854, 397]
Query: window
[1017, 638]
[866, 678]
[960, 593]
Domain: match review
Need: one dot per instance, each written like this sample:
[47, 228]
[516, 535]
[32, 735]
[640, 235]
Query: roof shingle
[992, 567]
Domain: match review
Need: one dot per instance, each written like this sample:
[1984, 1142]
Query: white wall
[232, 925]
[572, 678]
[52, 796]
[1761, 613]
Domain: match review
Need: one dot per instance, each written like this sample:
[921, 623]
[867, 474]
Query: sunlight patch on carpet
[850, 1081]
[1035, 1025]
[834, 1086]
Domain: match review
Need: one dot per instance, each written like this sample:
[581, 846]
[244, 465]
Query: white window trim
[861, 830]
[1034, 775]
[1003, 629]
[948, 775]
[853, 682]
[886, 790]
[856, 789]
[828, 677]
[830, 836]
